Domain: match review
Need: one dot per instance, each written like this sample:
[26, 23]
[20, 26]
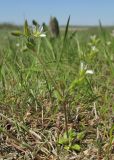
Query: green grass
[49, 107]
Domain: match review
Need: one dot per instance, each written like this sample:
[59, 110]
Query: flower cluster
[30, 34]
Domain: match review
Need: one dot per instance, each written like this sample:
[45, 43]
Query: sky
[82, 12]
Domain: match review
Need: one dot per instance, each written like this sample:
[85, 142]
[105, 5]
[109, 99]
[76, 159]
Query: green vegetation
[56, 99]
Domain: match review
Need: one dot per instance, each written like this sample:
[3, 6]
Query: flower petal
[89, 72]
[42, 35]
[41, 29]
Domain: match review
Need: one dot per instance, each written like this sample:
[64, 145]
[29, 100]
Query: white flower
[93, 48]
[39, 32]
[42, 35]
[89, 72]
[41, 28]
[83, 69]
[81, 66]
[17, 44]
[108, 43]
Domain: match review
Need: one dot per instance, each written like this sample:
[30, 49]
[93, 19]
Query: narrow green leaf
[80, 135]
[75, 147]
[66, 29]
[16, 33]
[26, 29]
[102, 30]
[72, 35]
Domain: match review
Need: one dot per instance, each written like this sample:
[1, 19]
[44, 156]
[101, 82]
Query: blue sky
[83, 12]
